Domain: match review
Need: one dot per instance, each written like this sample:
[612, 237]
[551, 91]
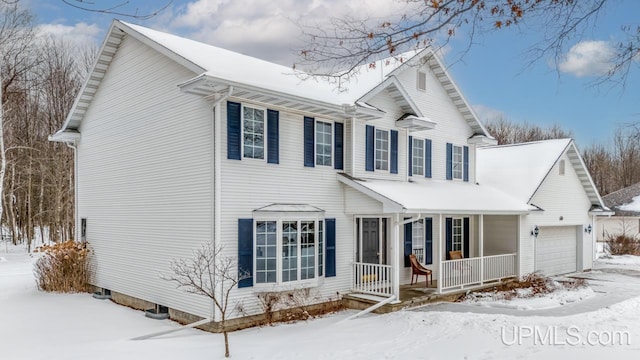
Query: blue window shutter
[448, 237]
[273, 137]
[393, 167]
[330, 250]
[427, 158]
[465, 237]
[370, 149]
[410, 156]
[465, 163]
[338, 162]
[245, 251]
[449, 161]
[428, 241]
[407, 244]
[309, 141]
[234, 140]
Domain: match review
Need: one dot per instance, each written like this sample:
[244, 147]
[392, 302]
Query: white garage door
[556, 250]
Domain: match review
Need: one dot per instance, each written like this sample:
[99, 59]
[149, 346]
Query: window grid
[382, 150]
[323, 143]
[417, 160]
[417, 239]
[457, 162]
[289, 251]
[266, 252]
[307, 249]
[456, 244]
[253, 130]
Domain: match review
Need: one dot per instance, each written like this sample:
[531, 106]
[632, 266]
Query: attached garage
[556, 249]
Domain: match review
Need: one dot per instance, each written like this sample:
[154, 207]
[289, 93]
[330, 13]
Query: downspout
[76, 213]
[217, 186]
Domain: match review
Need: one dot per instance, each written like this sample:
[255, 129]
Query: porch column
[481, 246]
[440, 252]
[396, 257]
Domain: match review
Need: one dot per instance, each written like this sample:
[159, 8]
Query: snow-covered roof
[437, 196]
[625, 202]
[520, 169]
[214, 67]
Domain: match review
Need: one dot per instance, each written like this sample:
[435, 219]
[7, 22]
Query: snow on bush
[63, 267]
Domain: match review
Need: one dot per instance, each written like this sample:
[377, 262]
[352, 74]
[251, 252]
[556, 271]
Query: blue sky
[492, 75]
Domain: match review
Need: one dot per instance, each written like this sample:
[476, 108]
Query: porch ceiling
[434, 196]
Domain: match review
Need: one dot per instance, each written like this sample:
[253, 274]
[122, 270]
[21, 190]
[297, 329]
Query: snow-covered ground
[35, 325]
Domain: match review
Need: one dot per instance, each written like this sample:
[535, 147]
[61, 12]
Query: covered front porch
[463, 245]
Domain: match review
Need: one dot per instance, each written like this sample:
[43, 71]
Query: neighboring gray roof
[622, 197]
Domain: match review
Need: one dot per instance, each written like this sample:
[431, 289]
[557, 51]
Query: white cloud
[486, 113]
[268, 29]
[80, 34]
[588, 58]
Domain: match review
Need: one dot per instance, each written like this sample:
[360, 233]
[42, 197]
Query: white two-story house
[180, 143]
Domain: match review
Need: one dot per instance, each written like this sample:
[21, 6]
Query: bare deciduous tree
[212, 274]
[508, 132]
[337, 50]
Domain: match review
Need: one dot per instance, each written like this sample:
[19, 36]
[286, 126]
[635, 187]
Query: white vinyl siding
[417, 153]
[144, 179]
[382, 149]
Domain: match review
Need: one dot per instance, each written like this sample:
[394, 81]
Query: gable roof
[622, 201]
[520, 169]
[217, 70]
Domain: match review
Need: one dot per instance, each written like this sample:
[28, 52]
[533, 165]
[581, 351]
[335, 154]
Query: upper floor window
[382, 149]
[561, 167]
[417, 157]
[456, 164]
[323, 143]
[253, 132]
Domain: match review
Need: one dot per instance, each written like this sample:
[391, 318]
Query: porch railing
[499, 266]
[372, 279]
[476, 271]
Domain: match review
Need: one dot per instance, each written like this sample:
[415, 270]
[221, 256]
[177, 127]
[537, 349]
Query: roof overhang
[209, 86]
[67, 136]
[284, 210]
[437, 197]
[482, 140]
[415, 123]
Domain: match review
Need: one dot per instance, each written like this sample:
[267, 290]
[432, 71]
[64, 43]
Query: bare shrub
[622, 244]
[63, 267]
[269, 302]
[528, 286]
[298, 302]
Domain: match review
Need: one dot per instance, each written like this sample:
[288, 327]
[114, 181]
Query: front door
[371, 240]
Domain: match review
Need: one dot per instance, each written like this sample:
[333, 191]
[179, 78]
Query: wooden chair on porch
[417, 269]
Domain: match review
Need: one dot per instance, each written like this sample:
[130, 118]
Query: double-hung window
[456, 164]
[417, 157]
[457, 235]
[323, 143]
[253, 126]
[382, 149]
[289, 251]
